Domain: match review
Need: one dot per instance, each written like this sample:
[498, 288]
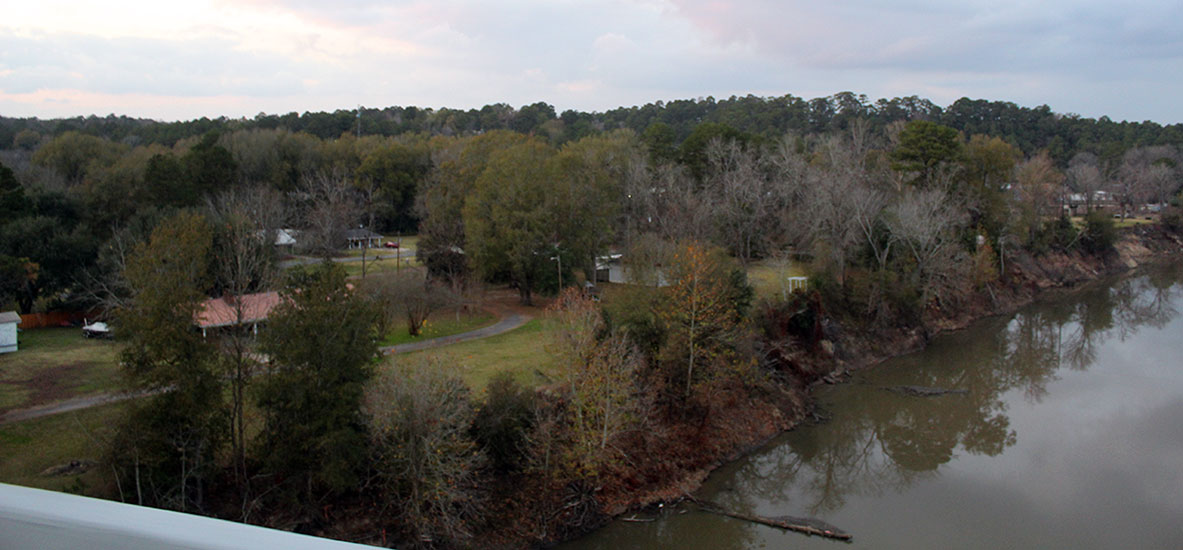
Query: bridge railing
[34, 519]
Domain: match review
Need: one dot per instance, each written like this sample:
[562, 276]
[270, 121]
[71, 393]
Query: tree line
[1030, 128]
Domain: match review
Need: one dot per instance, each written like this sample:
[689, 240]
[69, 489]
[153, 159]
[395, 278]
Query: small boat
[96, 330]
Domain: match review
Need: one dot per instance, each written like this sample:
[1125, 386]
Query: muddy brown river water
[1070, 436]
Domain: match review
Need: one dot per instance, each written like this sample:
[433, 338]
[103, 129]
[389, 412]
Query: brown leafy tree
[427, 463]
[601, 379]
[701, 320]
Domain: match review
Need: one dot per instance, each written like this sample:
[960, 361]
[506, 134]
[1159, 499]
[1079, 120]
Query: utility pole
[559, 258]
[359, 122]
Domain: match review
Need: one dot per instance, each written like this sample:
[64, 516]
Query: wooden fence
[55, 319]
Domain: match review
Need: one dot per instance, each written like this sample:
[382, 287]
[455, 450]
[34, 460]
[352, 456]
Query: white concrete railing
[45, 520]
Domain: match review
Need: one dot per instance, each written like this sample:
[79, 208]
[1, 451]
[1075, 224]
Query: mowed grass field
[769, 279]
[438, 325]
[28, 448]
[522, 351]
[53, 364]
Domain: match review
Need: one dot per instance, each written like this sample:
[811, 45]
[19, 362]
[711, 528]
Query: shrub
[503, 423]
[1099, 233]
[632, 310]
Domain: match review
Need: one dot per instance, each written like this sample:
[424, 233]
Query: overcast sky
[173, 60]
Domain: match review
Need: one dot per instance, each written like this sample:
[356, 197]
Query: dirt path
[512, 317]
[65, 406]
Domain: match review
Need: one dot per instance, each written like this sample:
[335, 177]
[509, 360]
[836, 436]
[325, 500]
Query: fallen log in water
[923, 391]
[808, 526]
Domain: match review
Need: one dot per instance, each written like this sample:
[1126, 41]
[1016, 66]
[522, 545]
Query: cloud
[137, 65]
[305, 55]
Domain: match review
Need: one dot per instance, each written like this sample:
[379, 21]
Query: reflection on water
[1070, 422]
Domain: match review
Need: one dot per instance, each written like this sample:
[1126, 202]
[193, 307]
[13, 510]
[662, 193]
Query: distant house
[283, 237]
[612, 269]
[363, 238]
[8, 322]
[223, 312]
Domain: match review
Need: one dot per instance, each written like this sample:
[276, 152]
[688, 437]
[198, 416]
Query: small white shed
[8, 322]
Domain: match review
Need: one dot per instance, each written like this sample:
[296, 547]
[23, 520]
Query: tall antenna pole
[359, 122]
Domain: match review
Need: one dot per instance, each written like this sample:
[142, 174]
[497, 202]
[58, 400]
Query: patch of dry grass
[54, 364]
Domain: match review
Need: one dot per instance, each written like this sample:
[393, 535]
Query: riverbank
[671, 452]
[1027, 278]
[675, 460]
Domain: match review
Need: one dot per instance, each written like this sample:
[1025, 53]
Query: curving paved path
[509, 320]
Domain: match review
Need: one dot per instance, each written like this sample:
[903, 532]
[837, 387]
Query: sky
[171, 60]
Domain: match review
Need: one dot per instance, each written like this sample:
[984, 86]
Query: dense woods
[898, 210]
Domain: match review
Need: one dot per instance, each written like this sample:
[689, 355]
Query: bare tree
[1085, 177]
[791, 175]
[334, 209]
[409, 295]
[1145, 173]
[680, 209]
[245, 221]
[925, 222]
[830, 211]
[1039, 184]
[746, 199]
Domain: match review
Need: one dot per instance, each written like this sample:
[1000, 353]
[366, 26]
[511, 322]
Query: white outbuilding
[8, 322]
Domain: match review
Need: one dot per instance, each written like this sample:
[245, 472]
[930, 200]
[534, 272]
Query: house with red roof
[224, 312]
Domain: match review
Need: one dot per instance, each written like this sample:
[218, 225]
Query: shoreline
[1030, 280]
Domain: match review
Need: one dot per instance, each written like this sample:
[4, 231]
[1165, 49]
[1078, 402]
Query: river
[1070, 436]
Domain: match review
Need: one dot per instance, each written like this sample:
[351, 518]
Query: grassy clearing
[1131, 222]
[54, 364]
[387, 264]
[1079, 222]
[28, 448]
[521, 351]
[407, 243]
[768, 279]
[440, 324]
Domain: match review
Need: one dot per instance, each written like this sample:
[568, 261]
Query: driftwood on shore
[924, 391]
[808, 526]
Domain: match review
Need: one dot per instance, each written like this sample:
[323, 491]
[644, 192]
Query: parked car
[390, 244]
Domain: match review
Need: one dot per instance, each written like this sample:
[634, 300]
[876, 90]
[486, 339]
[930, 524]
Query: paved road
[509, 321]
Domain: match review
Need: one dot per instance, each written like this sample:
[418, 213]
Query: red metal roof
[221, 312]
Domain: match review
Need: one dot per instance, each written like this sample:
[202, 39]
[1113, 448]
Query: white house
[613, 269]
[8, 322]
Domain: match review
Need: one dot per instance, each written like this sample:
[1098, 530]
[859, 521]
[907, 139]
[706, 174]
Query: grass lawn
[28, 448]
[439, 324]
[1130, 222]
[521, 351]
[767, 279]
[385, 265]
[54, 364]
[1079, 221]
[408, 243]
